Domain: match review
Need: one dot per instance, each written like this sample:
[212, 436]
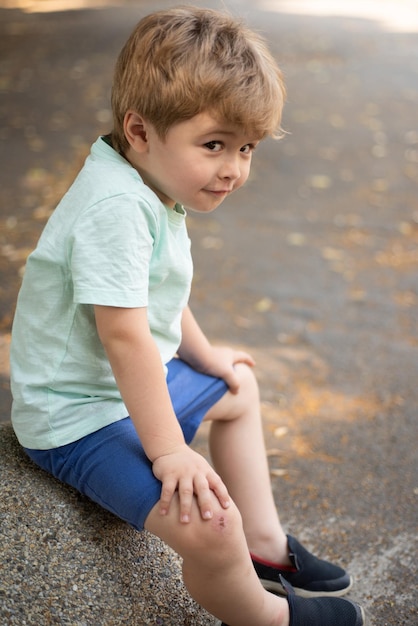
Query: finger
[232, 381]
[204, 498]
[186, 494]
[244, 357]
[167, 492]
[217, 486]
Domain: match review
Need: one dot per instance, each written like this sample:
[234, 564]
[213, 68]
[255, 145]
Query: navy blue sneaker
[309, 576]
[320, 611]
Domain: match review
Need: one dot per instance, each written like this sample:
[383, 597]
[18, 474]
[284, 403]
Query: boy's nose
[230, 169]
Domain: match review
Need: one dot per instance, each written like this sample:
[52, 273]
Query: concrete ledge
[65, 561]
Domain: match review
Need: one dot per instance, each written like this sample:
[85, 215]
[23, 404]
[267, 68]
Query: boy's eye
[214, 146]
[248, 148]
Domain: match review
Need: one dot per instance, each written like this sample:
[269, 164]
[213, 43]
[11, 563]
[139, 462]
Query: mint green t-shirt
[109, 242]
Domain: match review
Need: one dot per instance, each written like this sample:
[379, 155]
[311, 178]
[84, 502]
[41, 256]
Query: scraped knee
[219, 536]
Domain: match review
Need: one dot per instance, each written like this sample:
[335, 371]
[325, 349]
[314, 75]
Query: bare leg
[217, 569]
[239, 456]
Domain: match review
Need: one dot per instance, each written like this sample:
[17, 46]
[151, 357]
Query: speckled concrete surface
[65, 561]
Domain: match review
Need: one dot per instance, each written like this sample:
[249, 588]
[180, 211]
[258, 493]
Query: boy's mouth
[219, 192]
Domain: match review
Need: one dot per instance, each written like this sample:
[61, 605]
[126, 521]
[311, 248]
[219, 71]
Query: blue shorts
[110, 466]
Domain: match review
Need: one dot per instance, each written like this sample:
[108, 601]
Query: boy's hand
[216, 361]
[187, 472]
[220, 362]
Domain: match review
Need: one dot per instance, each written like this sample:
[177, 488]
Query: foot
[320, 611]
[309, 576]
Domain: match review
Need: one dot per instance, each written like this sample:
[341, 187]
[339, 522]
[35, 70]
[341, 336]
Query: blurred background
[312, 267]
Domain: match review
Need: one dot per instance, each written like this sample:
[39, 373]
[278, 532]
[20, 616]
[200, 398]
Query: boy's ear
[135, 130]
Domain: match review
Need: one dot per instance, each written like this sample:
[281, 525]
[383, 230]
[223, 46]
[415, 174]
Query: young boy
[103, 330]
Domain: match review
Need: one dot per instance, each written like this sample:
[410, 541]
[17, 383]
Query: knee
[219, 537]
[248, 396]
[248, 381]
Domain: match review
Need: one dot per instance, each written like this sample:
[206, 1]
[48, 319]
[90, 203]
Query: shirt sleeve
[112, 244]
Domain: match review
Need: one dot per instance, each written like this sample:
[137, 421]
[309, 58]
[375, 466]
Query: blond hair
[187, 60]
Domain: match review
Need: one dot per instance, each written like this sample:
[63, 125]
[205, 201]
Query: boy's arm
[139, 374]
[218, 361]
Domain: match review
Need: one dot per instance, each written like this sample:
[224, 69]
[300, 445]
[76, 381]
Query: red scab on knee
[229, 520]
[221, 523]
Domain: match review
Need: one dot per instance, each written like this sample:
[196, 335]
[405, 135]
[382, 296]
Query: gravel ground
[65, 561]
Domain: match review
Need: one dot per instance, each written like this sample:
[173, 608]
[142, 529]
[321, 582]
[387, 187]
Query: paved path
[314, 267]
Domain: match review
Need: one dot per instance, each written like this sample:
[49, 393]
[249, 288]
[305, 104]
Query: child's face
[198, 164]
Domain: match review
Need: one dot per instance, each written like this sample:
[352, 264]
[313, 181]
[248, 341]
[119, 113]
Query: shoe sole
[277, 589]
[363, 617]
